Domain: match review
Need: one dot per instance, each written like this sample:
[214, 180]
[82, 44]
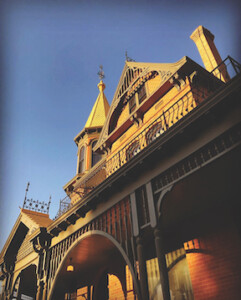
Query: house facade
[152, 211]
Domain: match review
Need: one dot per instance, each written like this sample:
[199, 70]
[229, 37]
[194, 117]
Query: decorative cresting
[35, 205]
[116, 222]
[133, 75]
[41, 244]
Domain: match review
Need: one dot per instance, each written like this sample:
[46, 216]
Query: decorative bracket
[7, 267]
[136, 118]
[178, 80]
[42, 241]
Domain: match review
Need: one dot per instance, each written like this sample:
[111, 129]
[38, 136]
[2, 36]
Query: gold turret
[87, 139]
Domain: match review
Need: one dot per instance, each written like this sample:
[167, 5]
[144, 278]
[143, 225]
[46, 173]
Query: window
[82, 160]
[132, 104]
[154, 132]
[95, 156]
[142, 94]
[132, 150]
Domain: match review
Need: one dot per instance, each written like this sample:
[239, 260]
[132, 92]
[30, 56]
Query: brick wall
[115, 287]
[216, 273]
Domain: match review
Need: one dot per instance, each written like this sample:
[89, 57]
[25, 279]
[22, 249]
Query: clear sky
[50, 56]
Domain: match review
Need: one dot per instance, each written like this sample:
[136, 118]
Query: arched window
[95, 156]
[132, 150]
[82, 160]
[154, 132]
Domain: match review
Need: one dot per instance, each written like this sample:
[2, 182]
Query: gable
[133, 76]
[27, 222]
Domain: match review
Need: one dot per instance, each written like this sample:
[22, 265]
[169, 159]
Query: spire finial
[101, 73]
[127, 57]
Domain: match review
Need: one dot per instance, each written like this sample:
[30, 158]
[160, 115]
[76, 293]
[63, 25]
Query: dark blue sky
[50, 55]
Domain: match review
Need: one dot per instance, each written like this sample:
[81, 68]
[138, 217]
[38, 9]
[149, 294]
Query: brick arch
[85, 236]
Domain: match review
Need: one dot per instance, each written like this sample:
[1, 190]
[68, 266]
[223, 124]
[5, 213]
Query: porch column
[40, 290]
[44, 291]
[142, 269]
[162, 263]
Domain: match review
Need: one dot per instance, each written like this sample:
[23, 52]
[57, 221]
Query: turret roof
[100, 109]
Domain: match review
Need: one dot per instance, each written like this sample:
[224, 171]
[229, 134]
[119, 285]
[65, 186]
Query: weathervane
[128, 58]
[101, 73]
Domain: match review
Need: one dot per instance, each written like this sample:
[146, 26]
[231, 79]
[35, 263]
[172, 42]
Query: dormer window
[141, 94]
[132, 103]
[81, 168]
[95, 156]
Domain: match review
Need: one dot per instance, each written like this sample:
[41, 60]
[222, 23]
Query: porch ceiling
[90, 257]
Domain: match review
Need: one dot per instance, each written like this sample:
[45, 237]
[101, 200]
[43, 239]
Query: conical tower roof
[100, 109]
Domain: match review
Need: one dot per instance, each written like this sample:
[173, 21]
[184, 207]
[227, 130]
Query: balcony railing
[157, 128]
[64, 205]
[228, 67]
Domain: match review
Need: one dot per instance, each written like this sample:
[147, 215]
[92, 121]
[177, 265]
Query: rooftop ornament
[101, 73]
[35, 205]
[128, 58]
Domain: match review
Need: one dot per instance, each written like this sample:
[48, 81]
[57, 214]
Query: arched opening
[197, 222]
[100, 271]
[25, 286]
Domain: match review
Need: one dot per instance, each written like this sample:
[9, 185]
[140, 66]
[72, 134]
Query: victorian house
[152, 211]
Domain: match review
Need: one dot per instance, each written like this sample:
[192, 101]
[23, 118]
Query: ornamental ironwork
[101, 73]
[36, 205]
[128, 58]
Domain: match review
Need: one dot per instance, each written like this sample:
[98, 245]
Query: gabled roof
[100, 109]
[40, 219]
[28, 221]
[130, 74]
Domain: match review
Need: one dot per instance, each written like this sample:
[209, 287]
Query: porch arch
[25, 283]
[84, 236]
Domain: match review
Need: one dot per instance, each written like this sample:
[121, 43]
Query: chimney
[203, 39]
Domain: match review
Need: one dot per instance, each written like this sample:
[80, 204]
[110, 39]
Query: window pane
[82, 160]
[132, 104]
[142, 94]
